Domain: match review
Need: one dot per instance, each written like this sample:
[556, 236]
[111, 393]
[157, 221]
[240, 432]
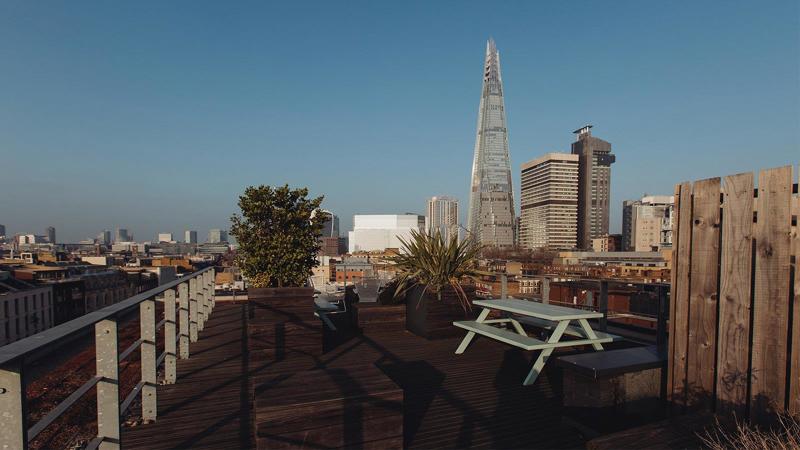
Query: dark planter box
[432, 318]
[376, 317]
[281, 320]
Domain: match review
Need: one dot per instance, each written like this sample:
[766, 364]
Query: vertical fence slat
[703, 292]
[735, 286]
[681, 266]
[794, 385]
[673, 287]
[771, 305]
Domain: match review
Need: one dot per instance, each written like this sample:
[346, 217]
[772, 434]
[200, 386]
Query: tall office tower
[443, 216]
[217, 236]
[491, 199]
[2, 230]
[647, 223]
[50, 232]
[122, 235]
[549, 196]
[330, 227]
[104, 237]
[190, 237]
[594, 185]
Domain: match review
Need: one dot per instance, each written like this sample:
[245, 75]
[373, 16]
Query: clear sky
[154, 116]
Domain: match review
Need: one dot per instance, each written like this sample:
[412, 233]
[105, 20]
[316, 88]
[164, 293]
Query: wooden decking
[472, 400]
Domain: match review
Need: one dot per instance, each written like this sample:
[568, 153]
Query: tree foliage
[277, 233]
[435, 263]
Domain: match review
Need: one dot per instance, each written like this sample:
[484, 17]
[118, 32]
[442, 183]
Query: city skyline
[79, 91]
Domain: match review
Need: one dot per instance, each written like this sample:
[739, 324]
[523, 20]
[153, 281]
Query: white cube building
[379, 232]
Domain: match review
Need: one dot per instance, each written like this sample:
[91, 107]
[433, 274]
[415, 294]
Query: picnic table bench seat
[571, 330]
[518, 340]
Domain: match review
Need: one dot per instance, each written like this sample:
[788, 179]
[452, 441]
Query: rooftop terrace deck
[472, 400]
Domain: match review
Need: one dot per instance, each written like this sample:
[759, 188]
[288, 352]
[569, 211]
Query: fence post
[193, 310]
[604, 305]
[147, 325]
[14, 429]
[170, 358]
[201, 302]
[107, 359]
[545, 290]
[504, 286]
[663, 314]
[183, 295]
[213, 283]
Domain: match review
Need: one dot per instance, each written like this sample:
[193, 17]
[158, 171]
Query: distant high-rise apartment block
[104, 237]
[2, 230]
[50, 232]
[330, 227]
[442, 215]
[122, 235]
[217, 236]
[594, 185]
[379, 232]
[165, 237]
[491, 201]
[647, 223]
[549, 200]
[190, 237]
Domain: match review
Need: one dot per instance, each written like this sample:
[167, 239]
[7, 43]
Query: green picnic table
[556, 318]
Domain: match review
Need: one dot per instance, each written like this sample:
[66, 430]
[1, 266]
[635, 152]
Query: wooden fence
[734, 324]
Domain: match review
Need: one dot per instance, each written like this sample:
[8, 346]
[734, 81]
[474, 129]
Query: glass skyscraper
[491, 203]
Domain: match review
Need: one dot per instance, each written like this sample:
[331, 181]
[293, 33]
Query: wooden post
[170, 336]
[679, 311]
[794, 374]
[14, 429]
[107, 360]
[604, 305]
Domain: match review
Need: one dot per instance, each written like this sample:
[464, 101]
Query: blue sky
[155, 115]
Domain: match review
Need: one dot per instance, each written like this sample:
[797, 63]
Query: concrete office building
[647, 223]
[379, 232]
[491, 217]
[594, 185]
[549, 200]
[442, 215]
[190, 237]
[217, 236]
[50, 232]
[122, 235]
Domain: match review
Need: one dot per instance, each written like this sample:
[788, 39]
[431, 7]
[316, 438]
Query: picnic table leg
[471, 334]
[545, 353]
[518, 327]
[590, 333]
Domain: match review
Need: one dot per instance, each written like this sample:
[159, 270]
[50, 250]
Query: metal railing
[188, 302]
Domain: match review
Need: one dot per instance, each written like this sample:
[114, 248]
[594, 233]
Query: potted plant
[277, 235]
[432, 273]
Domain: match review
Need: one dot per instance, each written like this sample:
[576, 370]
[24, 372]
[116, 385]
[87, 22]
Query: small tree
[277, 234]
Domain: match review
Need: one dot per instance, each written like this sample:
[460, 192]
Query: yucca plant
[431, 261]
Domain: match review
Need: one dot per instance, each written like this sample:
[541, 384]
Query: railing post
[201, 303]
[545, 290]
[193, 310]
[170, 358]
[147, 325]
[183, 295]
[504, 286]
[213, 284]
[14, 429]
[107, 359]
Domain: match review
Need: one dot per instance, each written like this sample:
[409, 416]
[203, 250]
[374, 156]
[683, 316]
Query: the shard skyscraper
[491, 203]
